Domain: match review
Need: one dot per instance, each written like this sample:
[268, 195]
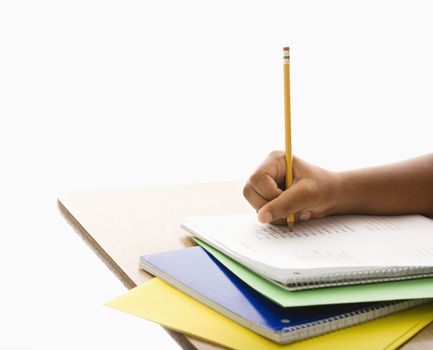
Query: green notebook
[408, 289]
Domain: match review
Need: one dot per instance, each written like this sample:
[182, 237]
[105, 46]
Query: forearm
[401, 188]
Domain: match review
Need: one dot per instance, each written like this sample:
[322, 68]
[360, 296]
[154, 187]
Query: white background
[125, 93]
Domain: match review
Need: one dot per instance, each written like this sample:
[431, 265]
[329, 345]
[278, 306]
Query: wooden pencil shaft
[288, 127]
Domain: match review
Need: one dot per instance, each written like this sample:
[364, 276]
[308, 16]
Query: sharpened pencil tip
[290, 225]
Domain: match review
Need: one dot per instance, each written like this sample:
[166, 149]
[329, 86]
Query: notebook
[199, 275]
[333, 251]
[395, 290]
[157, 301]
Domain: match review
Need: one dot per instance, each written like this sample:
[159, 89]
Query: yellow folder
[159, 302]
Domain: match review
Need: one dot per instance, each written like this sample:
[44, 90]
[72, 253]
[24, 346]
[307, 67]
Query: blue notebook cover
[196, 273]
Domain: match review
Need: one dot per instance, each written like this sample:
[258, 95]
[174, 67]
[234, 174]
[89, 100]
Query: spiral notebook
[199, 275]
[333, 251]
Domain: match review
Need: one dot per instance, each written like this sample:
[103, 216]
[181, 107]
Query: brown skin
[401, 188]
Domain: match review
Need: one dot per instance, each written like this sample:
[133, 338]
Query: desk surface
[121, 225]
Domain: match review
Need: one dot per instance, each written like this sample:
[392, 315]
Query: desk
[121, 225]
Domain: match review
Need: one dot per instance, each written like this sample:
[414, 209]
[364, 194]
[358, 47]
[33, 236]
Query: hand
[312, 195]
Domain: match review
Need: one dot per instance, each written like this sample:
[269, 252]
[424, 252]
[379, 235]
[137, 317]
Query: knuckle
[256, 179]
[276, 154]
[246, 190]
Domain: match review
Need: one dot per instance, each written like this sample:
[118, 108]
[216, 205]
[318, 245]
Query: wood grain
[121, 225]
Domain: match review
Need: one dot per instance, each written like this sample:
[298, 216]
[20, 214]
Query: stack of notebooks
[325, 275]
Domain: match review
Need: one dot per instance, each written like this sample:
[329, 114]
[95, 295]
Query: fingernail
[265, 217]
[304, 216]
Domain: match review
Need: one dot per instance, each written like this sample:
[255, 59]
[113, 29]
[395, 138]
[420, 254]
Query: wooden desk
[121, 225]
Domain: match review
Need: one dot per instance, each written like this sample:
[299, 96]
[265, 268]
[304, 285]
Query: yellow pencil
[288, 128]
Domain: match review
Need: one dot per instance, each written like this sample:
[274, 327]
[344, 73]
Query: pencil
[288, 128]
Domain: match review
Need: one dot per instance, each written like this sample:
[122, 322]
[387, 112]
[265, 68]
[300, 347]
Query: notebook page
[332, 242]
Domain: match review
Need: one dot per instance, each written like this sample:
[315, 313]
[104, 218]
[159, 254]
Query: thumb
[291, 201]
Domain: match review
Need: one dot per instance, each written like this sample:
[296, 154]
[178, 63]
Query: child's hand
[312, 195]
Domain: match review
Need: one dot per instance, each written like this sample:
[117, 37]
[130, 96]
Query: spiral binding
[360, 277]
[316, 328]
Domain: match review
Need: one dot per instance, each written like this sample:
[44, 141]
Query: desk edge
[179, 338]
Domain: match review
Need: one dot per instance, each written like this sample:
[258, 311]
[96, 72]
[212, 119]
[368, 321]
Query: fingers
[275, 166]
[304, 215]
[296, 199]
[254, 198]
[262, 186]
[265, 185]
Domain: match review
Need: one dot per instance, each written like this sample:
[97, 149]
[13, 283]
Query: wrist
[340, 203]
